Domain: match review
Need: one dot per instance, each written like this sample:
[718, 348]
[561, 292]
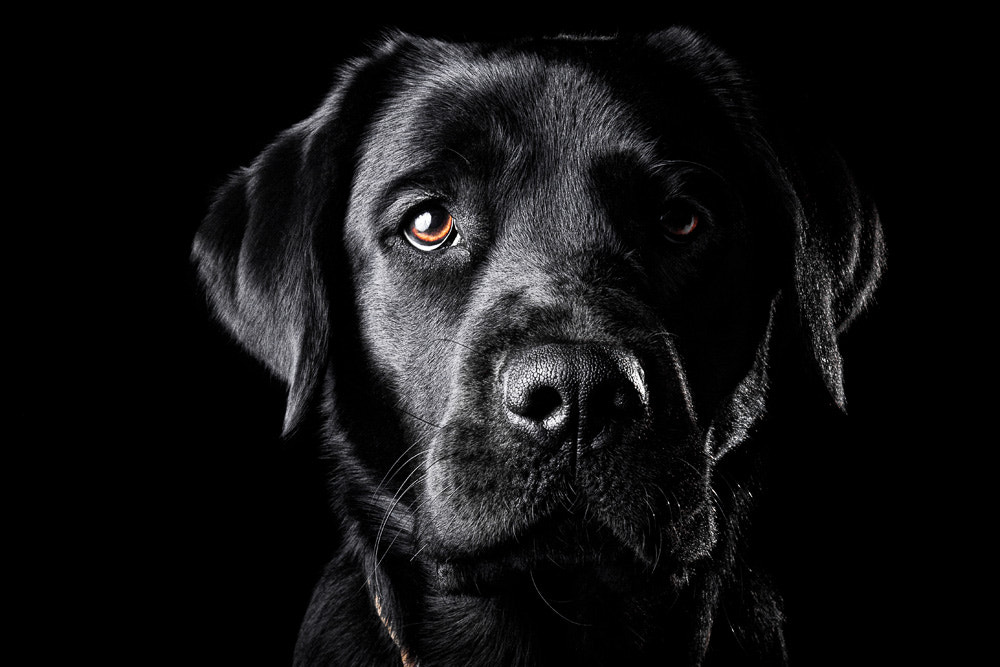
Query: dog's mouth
[561, 557]
[563, 576]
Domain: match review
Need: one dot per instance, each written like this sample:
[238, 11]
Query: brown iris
[430, 229]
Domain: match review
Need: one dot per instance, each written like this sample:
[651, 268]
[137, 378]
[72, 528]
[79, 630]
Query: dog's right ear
[259, 251]
[256, 257]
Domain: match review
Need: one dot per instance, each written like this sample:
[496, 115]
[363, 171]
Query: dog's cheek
[718, 320]
[474, 495]
[410, 333]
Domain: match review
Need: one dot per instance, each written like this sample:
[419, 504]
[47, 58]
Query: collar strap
[404, 655]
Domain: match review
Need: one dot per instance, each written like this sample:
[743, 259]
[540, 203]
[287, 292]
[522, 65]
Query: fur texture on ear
[839, 258]
[257, 254]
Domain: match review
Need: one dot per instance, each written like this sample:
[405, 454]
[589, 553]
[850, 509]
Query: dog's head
[534, 291]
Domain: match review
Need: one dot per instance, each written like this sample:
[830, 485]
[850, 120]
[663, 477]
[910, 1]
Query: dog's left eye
[431, 228]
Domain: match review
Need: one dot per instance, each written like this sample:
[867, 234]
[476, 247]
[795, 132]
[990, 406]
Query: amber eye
[431, 228]
[681, 224]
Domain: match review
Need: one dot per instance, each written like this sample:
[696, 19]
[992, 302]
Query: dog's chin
[564, 559]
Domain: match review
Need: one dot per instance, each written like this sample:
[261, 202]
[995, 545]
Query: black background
[191, 531]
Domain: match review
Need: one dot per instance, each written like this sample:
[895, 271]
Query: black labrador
[529, 295]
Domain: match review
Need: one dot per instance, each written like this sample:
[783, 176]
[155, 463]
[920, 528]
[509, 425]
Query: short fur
[472, 532]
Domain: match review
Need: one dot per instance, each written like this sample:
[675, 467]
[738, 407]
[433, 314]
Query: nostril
[625, 400]
[538, 403]
[539, 391]
[610, 405]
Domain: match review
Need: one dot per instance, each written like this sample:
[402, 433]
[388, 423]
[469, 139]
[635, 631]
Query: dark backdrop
[208, 530]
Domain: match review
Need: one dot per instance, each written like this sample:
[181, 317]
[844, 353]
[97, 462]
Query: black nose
[579, 394]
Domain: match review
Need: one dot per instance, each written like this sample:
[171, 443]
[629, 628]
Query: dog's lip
[492, 577]
[566, 545]
[551, 550]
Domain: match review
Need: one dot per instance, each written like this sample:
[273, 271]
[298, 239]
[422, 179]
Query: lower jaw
[560, 580]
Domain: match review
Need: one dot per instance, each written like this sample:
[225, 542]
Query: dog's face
[533, 290]
[555, 278]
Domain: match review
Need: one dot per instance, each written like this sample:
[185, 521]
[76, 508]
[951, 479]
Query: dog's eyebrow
[663, 165]
[640, 167]
[418, 184]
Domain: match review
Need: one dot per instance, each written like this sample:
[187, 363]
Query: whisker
[391, 472]
[419, 419]
[381, 531]
[555, 611]
[396, 499]
[404, 488]
[689, 465]
[654, 528]
[449, 148]
[666, 500]
[417, 553]
[377, 560]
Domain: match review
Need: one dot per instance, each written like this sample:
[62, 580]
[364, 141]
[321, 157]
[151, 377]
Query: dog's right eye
[431, 228]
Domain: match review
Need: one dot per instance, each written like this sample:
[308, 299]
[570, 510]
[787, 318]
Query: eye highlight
[431, 228]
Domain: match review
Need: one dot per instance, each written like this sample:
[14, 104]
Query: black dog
[530, 295]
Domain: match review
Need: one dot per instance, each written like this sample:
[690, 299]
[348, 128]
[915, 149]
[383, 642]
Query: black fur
[476, 529]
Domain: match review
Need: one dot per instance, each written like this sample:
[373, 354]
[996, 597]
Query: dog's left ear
[839, 258]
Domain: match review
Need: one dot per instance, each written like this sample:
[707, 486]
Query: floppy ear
[260, 251]
[255, 254]
[839, 258]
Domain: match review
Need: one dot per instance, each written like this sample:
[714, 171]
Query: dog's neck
[547, 639]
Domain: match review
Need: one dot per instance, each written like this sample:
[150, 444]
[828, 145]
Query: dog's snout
[580, 394]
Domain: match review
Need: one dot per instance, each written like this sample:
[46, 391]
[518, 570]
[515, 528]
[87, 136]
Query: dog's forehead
[470, 106]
